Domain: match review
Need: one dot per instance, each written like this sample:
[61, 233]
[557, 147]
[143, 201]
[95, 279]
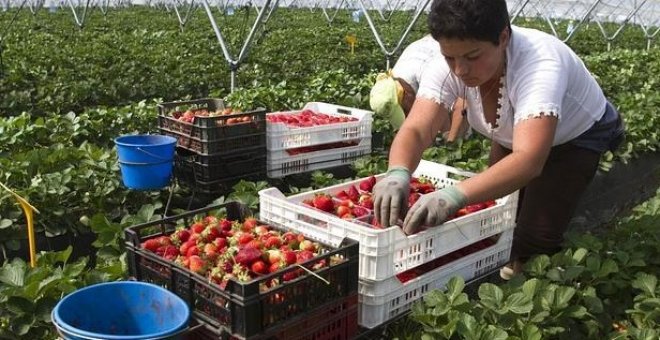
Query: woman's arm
[417, 133]
[532, 141]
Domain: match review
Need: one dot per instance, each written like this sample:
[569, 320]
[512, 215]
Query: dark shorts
[547, 203]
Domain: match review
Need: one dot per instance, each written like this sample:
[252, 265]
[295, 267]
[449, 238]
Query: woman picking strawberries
[546, 116]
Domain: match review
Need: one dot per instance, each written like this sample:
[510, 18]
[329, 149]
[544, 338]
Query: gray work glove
[433, 209]
[391, 196]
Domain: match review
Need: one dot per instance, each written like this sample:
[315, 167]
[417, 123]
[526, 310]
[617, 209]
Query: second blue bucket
[146, 161]
[122, 310]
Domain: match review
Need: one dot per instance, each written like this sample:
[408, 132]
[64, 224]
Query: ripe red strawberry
[342, 195]
[308, 201]
[151, 245]
[211, 232]
[249, 224]
[259, 267]
[289, 256]
[256, 244]
[273, 242]
[245, 238]
[304, 256]
[367, 184]
[359, 211]
[187, 245]
[220, 243]
[366, 200]
[324, 202]
[412, 198]
[180, 236]
[225, 224]
[197, 227]
[192, 251]
[170, 252]
[275, 266]
[353, 193]
[288, 276]
[246, 256]
[196, 264]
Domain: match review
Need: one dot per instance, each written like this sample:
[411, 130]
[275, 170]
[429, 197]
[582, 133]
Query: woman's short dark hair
[468, 19]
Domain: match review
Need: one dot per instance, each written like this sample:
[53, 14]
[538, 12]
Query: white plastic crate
[280, 163]
[303, 165]
[381, 301]
[279, 136]
[386, 252]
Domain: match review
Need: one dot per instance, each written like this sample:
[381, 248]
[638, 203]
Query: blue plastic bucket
[146, 161]
[121, 310]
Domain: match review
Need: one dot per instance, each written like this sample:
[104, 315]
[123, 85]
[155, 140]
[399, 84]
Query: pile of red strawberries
[307, 118]
[356, 203]
[221, 249]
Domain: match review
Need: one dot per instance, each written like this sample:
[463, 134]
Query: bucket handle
[153, 155]
[179, 332]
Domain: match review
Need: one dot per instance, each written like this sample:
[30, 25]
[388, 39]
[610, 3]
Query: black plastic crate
[209, 128]
[241, 309]
[218, 146]
[332, 321]
[208, 168]
[186, 176]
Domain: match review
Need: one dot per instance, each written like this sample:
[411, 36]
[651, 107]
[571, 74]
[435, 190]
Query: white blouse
[542, 75]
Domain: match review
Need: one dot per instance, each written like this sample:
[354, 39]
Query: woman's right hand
[391, 196]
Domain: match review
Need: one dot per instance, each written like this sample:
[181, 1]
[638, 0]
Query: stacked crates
[215, 147]
[320, 136]
[322, 305]
[395, 269]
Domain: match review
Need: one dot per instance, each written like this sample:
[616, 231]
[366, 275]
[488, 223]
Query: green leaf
[575, 311]
[593, 304]
[562, 296]
[519, 303]
[646, 283]
[531, 332]
[573, 272]
[608, 267]
[529, 287]
[5, 223]
[22, 324]
[14, 273]
[491, 295]
[467, 326]
[455, 287]
[580, 254]
[19, 305]
[538, 265]
[494, 333]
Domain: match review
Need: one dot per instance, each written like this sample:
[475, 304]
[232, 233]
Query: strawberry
[359, 211]
[342, 195]
[304, 256]
[245, 238]
[220, 243]
[308, 201]
[289, 256]
[353, 193]
[249, 224]
[343, 210]
[247, 255]
[197, 227]
[192, 251]
[307, 245]
[324, 202]
[259, 267]
[211, 232]
[412, 198]
[261, 229]
[273, 256]
[196, 264]
[366, 200]
[180, 236]
[256, 244]
[368, 184]
[273, 242]
[348, 217]
[151, 244]
[225, 224]
[211, 220]
[170, 252]
[275, 266]
[211, 251]
[187, 245]
[292, 275]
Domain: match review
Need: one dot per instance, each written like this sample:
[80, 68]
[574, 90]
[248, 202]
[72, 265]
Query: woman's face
[474, 61]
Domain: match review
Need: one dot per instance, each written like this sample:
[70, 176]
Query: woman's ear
[505, 35]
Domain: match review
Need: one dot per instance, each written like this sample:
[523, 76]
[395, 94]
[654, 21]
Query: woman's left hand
[433, 209]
